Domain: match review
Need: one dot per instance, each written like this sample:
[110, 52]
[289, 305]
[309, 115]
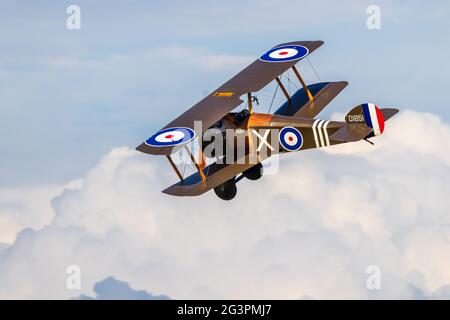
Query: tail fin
[363, 121]
[367, 114]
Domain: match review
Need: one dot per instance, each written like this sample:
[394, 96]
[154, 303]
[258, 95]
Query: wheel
[254, 173]
[227, 190]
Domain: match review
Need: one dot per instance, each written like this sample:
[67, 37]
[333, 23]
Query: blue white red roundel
[284, 53]
[290, 138]
[171, 137]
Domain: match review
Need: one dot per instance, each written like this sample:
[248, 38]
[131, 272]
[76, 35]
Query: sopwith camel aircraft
[292, 127]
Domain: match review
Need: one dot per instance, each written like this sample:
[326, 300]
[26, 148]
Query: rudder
[366, 114]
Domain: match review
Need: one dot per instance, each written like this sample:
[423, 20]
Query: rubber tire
[254, 173]
[227, 190]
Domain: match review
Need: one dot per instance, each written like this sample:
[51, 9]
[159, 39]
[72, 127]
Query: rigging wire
[187, 164]
[269, 95]
[314, 69]
[289, 82]
[273, 98]
[183, 162]
[293, 83]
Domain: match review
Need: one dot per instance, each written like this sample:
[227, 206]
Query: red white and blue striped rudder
[373, 118]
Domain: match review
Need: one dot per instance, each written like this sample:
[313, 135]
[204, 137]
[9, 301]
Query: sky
[75, 103]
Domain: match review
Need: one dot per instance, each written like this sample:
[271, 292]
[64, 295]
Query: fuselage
[245, 133]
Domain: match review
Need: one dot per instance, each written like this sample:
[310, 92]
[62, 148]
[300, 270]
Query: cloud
[3, 246]
[309, 231]
[113, 289]
[27, 207]
[442, 293]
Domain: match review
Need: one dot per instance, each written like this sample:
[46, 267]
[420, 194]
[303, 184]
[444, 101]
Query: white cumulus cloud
[310, 231]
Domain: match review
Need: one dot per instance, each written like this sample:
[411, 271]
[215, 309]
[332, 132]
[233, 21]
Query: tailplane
[363, 121]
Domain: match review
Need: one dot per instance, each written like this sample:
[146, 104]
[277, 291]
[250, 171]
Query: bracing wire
[183, 169]
[186, 162]
[314, 69]
[269, 95]
[293, 83]
[289, 82]
[273, 98]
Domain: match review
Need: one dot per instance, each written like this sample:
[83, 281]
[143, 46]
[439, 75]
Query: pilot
[241, 116]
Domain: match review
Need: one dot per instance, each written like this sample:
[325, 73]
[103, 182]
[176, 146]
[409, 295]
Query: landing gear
[254, 173]
[227, 190]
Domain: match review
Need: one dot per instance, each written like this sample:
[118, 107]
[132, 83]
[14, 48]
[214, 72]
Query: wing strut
[250, 107]
[198, 165]
[283, 89]
[180, 176]
[310, 96]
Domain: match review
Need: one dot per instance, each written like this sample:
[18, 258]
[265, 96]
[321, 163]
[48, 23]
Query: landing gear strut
[228, 189]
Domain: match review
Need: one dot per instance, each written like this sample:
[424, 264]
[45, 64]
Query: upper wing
[212, 108]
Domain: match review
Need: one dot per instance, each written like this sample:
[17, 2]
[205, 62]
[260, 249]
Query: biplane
[292, 127]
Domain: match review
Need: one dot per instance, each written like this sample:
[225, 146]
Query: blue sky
[70, 96]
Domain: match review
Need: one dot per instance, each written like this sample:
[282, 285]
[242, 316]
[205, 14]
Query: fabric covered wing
[227, 97]
[216, 174]
[321, 99]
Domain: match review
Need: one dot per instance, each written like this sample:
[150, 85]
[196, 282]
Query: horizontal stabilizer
[388, 113]
[349, 133]
[365, 120]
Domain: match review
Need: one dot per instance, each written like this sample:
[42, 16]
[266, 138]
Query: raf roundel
[171, 137]
[290, 139]
[285, 53]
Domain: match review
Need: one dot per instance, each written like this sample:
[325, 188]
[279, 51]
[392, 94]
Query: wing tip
[340, 84]
[140, 147]
[145, 148]
[313, 44]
